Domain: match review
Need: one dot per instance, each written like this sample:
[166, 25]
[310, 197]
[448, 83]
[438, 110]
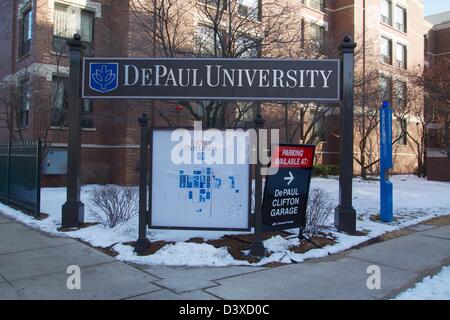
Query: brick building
[437, 60]
[34, 70]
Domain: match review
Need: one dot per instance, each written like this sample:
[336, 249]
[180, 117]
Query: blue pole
[386, 188]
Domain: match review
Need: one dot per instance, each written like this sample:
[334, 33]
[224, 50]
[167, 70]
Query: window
[86, 114]
[71, 20]
[215, 3]
[386, 50]
[249, 9]
[60, 105]
[246, 47]
[401, 93]
[425, 44]
[245, 114]
[26, 32]
[386, 12]
[302, 33]
[400, 56]
[400, 18]
[317, 34]
[60, 102]
[319, 126]
[207, 42]
[24, 104]
[401, 131]
[385, 88]
[315, 4]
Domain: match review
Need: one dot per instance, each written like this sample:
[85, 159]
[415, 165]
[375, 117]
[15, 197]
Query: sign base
[72, 214]
[345, 219]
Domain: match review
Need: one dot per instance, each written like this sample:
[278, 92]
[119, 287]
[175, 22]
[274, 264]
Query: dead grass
[81, 226]
[106, 250]
[395, 234]
[152, 247]
[439, 221]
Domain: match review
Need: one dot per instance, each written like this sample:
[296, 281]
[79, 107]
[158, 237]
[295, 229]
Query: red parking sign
[293, 156]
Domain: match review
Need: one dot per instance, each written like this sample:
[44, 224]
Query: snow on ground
[415, 200]
[436, 287]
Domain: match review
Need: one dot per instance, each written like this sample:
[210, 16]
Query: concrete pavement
[33, 266]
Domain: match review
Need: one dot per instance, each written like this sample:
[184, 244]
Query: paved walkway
[33, 266]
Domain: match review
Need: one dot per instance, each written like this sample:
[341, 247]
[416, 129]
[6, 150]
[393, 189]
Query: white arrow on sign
[290, 178]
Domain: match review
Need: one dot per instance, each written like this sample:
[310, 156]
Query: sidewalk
[33, 266]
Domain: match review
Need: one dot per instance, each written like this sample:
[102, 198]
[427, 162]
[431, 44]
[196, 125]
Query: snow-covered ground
[415, 200]
[436, 287]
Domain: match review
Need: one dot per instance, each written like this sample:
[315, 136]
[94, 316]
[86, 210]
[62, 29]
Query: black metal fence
[20, 175]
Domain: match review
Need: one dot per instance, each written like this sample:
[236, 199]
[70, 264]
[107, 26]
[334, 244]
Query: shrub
[114, 204]
[319, 208]
[325, 170]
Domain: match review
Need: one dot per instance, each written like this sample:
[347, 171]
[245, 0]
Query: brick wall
[109, 151]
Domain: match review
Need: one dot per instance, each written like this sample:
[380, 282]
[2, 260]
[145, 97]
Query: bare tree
[13, 93]
[216, 28]
[319, 209]
[367, 118]
[113, 205]
[436, 84]
[8, 107]
[408, 105]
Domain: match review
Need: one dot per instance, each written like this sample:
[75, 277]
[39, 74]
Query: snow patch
[436, 287]
[415, 200]
[181, 254]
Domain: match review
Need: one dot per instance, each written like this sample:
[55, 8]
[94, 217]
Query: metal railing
[20, 175]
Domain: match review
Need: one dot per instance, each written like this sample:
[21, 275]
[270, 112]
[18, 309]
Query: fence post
[142, 241]
[37, 210]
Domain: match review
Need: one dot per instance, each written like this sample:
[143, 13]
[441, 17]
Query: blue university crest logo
[103, 76]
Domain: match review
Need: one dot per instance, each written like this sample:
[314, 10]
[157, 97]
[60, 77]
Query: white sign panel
[199, 193]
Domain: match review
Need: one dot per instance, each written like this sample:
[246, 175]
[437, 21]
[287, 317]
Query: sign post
[257, 248]
[386, 187]
[345, 214]
[142, 242]
[73, 209]
[286, 192]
